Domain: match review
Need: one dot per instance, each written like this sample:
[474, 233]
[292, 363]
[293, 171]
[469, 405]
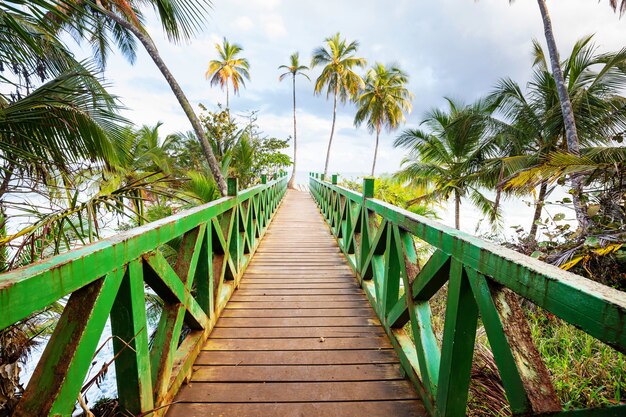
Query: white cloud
[449, 48]
[243, 24]
[273, 25]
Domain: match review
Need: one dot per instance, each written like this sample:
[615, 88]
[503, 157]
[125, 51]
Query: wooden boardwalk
[298, 338]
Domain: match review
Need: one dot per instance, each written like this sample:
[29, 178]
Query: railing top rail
[62, 274]
[596, 308]
[379, 241]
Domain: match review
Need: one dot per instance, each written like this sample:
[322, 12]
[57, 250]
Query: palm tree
[448, 156]
[228, 68]
[294, 69]
[383, 102]
[536, 125]
[571, 133]
[120, 20]
[338, 76]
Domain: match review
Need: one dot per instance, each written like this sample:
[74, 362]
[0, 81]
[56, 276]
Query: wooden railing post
[368, 192]
[232, 186]
[334, 179]
[263, 178]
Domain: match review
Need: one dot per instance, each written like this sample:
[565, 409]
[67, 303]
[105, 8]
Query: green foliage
[448, 157]
[585, 372]
[242, 151]
[394, 192]
[339, 62]
[384, 100]
[228, 68]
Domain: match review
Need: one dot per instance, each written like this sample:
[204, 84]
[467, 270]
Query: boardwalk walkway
[298, 338]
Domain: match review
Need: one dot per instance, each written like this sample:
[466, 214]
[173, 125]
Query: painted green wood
[59, 375]
[524, 375]
[164, 346]
[594, 308]
[477, 269]
[457, 349]
[130, 343]
[392, 274]
[432, 277]
[419, 314]
[147, 378]
[204, 274]
[20, 290]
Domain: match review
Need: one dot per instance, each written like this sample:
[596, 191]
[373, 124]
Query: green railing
[379, 241]
[106, 279]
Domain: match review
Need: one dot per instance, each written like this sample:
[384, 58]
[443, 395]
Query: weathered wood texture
[299, 337]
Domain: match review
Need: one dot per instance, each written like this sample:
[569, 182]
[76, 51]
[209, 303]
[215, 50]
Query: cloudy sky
[454, 48]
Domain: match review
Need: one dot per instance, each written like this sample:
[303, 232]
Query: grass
[585, 372]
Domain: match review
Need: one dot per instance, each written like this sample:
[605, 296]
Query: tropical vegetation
[73, 170]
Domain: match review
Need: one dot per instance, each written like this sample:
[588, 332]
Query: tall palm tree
[383, 102]
[536, 124]
[449, 156]
[338, 76]
[228, 68]
[120, 20]
[571, 133]
[294, 69]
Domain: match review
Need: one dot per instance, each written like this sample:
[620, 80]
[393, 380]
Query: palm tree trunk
[543, 189]
[227, 99]
[375, 149]
[295, 142]
[457, 210]
[178, 92]
[496, 204]
[332, 132]
[573, 144]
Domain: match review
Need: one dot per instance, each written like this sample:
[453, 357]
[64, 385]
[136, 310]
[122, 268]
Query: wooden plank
[288, 392]
[405, 408]
[288, 332]
[278, 373]
[306, 286]
[309, 312]
[300, 291]
[291, 298]
[316, 343]
[297, 304]
[286, 279]
[304, 357]
[297, 335]
[296, 321]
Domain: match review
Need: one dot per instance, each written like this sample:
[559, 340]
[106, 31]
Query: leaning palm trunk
[332, 132]
[571, 134]
[375, 149]
[295, 142]
[543, 190]
[499, 187]
[176, 89]
[457, 210]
